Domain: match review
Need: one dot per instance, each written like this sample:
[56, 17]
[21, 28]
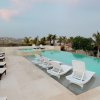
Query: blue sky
[20, 18]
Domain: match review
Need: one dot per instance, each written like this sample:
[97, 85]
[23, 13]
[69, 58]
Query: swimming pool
[92, 63]
[26, 50]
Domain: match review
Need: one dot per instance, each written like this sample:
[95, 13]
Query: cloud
[20, 6]
[22, 3]
[71, 2]
[6, 14]
[25, 3]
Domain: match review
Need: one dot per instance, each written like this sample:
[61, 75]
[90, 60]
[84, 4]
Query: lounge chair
[35, 47]
[42, 47]
[2, 53]
[2, 58]
[2, 64]
[37, 59]
[59, 69]
[57, 62]
[2, 71]
[79, 76]
[45, 63]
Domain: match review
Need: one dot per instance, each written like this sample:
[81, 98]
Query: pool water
[92, 63]
[27, 50]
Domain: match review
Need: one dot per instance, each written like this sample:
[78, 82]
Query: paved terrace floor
[25, 81]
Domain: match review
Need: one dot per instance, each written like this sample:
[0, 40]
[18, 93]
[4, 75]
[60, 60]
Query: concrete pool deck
[25, 81]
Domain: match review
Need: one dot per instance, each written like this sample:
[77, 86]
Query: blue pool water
[92, 63]
[27, 50]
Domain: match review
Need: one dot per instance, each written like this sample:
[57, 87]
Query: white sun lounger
[45, 63]
[2, 71]
[38, 59]
[42, 47]
[79, 76]
[35, 47]
[2, 53]
[57, 62]
[2, 64]
[2, 58]
[59, 69]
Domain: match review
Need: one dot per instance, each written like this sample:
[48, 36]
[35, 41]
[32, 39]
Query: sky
[20, 18]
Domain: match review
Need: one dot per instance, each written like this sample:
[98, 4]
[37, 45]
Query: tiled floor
[25, 81]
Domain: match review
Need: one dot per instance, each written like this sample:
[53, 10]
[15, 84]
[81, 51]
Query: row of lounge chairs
[79, 76]
[2, 69]
[2, 64]
[38, 47]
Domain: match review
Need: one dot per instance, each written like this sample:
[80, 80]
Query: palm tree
[54, 38]
[31, 41]
[36, 41]
[43, 40]
[97, 42]
[69, 40]
[60, 40]
[64, 39]
[49, 38]
[27, 40]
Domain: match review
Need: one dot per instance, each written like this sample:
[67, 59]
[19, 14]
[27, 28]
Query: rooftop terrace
[25, 81]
